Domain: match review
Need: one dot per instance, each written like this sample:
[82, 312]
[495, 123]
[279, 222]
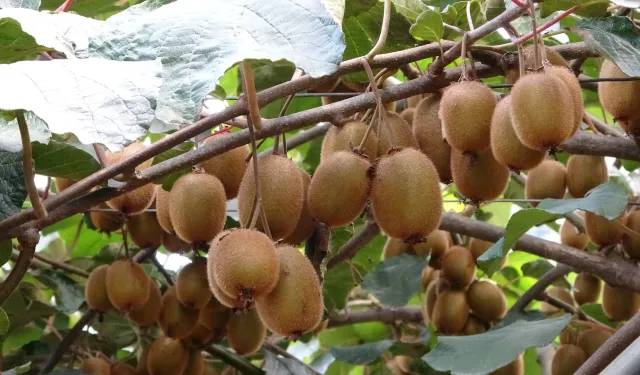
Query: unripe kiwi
[95, 292]
[305, 227]
[619, 303]
[347, 137]
[127, 285]
[505, 145]
[149, 313]
[339, 208]
[573, 85]
[176, 320]
[473, 326]
[535, 99]
[95, 366]
[487, 301]
[200, 336]
[427, 130]
[296, 304]
[585, 172]
[407, 115]
[228, 167]
[126, 153]
[620, 98]
[553, 57]
[401, 180]
[586, 288]
[145, 230]
[282, 192]
[547, 180]
[465, 111]
[559, 293]
[195, 363]
[174, 244]
[516, 367]
[430, 298]
[246, 332]
[592, 339]
[192, 287]
[570, 236]
[630, 245]
[399, 128]
[167, 356]
[121, 368]
[163, 214]
[394, 247]
[603, 232]
[485, 179]
[450, 312]
[458, 266]
[63, 183]
[567, 360]
[198, 207]
[134, 201]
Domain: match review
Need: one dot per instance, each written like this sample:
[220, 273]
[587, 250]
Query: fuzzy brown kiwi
[222, 297]
[535, 99]
[619, 303]
[337, 209]
[413, 101]
[394, 247]
[585, 172]
[632, 128]
[427, 130]
[174, 244]
[192, 287]
[569, 334]
[561, 294]
[553, 57]
[296, 305]
[95, 292]
[430, 298]
[127, 152]
[175, 319]
[246, 332]
[458, 266]
[228, 167]
[95, 366]
[306, 225]
[465, 111]
[163, 214]
[399, 128]
[515, 367]
[282, 192]
[485, 179]
[195, 363]
[620, 99]
[407, 115]
[429, 274]
[63, 183]
[134, 201]
[487, 301]
[198, 208]
[567, 360]
[570, 236]
[106, 221]
[435, 244]
[505, 145]
[167, 356]
[121, 368]
[603, 232]
[473, 326]
[547, 180]
[402, 179]
[200, 336]
[479, 247]
[127, 285]
[630, 245]
[149, 313]
[145, 230]
[586, 288]
[450, 312]
[573, 85]
[347, 137]
[592, 339]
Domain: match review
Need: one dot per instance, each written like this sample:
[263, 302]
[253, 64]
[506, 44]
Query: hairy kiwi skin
[174, 244]
[198, 208]
[592, 339]
[567, 360]
[436, 245]
[394, 247]
[200, 336]
[306, 225]
[127, 285]
[106, 221]
[195, 363]
[176, 320]
[296, 304]
[121, 368]
[570, 236]
[95, 292]
[450, 312]
[63, 184]
[586, 288]
[479, 247]
[192, 287]
[429, 274]
[487, 301]
[401, 131]
[513, 368]
[547, 180]
[528, 53]
[282, 193]
[620, 99]
[559, 293]
[228, 167]
[346, 138]
[430, 298]
[145, 230]
[602, 231]
[163, 214]
[407, 115]
[222, 297]
[619, 303]
[485, 179]
[427, 130]
[465, 111]
[458, 266]
[246, 332]
[630, 245]
[573, 85]
[149, 313]
[535, 99]
[95, 366]
[167, 356]
[585, 172]
[473, 326]
[505, 145]
[134, 201]
[401, 180]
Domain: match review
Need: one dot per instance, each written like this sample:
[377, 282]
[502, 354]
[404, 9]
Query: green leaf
[394, 281]
[4, 322]
[15, 44]
[595, 311]
[13, 191]
[483, 353]
[22, 369]
[20, 337]
[428, 26]
[338, 282]
[589, 8]
[277, 365]
[492, 8]
[59, 159]
[89, 242]
[96, 9]
[607, 200]
[6, 249]
[69, 295]
[115, 330]
[410, 9]
[531, 365]
[539, 267]
[615, 39]
[33, 311]
[361, 354]
[456, 14]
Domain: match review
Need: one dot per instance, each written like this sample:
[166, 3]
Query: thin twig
[60, 265]
[64, 7]
[546, 297]
[384, 31]
[536, 289]
[587, 119]
[76, 237]
[355, 243]
[248, 82]
[382, 114]
[536, 47]
[469, 18]
[28, 242]
[102, 157]
[27, 165]
[162, 270]
[47, 189]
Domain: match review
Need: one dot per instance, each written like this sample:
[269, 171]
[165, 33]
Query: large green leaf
[595, 311]
[18, 317]
[13, 190]
[361, 354]
[115, 330]
[588, 8]
[338, 282]
[4, 322]
[15, 44]
[456, 14]
[410, 9]
[539, 267]
[69, 295]
[394, 281]
[428, 26]
[59, 159]
[20, 337]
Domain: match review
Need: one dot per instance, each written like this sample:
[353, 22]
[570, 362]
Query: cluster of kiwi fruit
[620, 98]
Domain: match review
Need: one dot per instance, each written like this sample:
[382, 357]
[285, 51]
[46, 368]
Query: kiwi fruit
[282, 192]
[195, 363]
[174, 244]
[450, 312]
[198, 207]
[620, 98]
[63, 183]
[200, 337]
[427, 130]
[305, 227]
[477, 247]
[106, 221]
[515, 367]
[126, 153]
[399, 128]
[586, 288]
[430, 298]
[347, 137]
[585, 172]
[228, 167]
[570, 236]
[569, 334]
[121, 368]
[127, 285]
[134, 201]
[567, 360]
[214, 316]
[407, 115]
[573, 85]
[246, 332]
[505, 145]
[535, 99]
[547, 180]
[95, 291]
[145, 230]
[167, 356]
[222, 297]
[192, 287]
[602, 231]
[337, 210]
[176, 320]
[458, 266]
[429, 274]
[401, 180]
[485, 179]
[465, 110]
[591, 340]
[619, 303]
[413, 101]
[487, 301]
[394, 247]
[528, 53]
[435, 244]
[630, 245]
[296, 304]
[561, 294]
[95, 366]
[473, 326]
[149, 313]
[163, 214]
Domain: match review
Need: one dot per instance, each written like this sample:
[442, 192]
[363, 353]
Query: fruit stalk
[27, 166]
[382, 114]
[384, 30]
[249, 85]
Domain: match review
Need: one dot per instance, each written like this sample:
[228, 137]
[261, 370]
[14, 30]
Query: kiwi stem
[472, 65]
[382, 114]
[384, 31]
[463, 57]
[249, 85]
[124, 240]
[536, 47]
[27, 164]
[577, 222]
[587, 119]
[469, 18]
[233, 360]
[520, 60]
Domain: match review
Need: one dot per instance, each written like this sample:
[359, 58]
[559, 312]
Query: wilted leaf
[394, 281]
[12, 187]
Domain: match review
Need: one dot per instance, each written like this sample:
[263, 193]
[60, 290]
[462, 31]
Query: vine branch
[28, 242]
[27, 165]
[385, 315]
[162, 270]
[355, 243]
